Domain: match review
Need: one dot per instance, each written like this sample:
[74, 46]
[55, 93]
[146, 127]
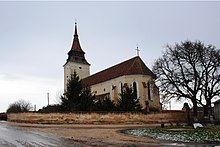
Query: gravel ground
[95, 135]
[103, 135]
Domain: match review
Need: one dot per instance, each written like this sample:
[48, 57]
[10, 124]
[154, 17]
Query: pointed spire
[76, 45]
[76, 54]
[75, 34]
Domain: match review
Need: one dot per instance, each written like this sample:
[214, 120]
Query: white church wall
[82, 71]
[112, 88]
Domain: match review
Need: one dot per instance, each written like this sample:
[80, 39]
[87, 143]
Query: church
[111, 81]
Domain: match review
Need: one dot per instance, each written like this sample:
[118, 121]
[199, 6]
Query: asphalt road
[12, 136]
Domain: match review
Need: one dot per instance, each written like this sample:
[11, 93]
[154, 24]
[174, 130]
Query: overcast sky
[36, 36]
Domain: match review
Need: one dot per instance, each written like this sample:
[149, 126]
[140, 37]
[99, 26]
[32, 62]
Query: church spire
[75, 33]
[76, 54]
[76, 44]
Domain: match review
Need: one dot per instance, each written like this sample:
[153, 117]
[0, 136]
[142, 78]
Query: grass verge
[207, 134]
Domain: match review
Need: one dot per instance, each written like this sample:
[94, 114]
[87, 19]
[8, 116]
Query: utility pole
[48, 98]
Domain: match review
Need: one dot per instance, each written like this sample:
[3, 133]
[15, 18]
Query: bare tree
[19, 106]
[189, 70]
[209, 77]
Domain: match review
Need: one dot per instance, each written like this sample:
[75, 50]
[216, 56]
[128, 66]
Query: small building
[217, 110]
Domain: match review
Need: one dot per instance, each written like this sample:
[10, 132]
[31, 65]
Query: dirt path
[94, 135]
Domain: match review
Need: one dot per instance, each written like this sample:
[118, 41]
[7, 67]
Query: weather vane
[137, 50]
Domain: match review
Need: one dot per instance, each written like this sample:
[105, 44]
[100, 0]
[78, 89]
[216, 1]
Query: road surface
[12, 136]
[34, 135]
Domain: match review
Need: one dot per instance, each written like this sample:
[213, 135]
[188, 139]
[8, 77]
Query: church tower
[76, 61]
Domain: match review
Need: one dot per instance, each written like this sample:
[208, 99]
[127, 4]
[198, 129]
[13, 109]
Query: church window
[80, 67]
[104, 89]
[150, 86]
[135, 88]
[120, 87]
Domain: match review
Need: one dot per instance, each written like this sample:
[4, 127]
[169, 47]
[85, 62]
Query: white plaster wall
[106, 87]
[82, 71]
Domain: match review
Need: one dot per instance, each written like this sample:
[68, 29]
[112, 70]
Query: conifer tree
[86, 100]
[76, 97]
[105, 104]
[128, 100]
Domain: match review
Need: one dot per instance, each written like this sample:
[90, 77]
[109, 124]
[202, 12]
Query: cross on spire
[75, 33]
[137, 50]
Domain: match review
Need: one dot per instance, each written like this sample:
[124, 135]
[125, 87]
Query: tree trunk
[206, 110]
[209, 107]
[195, 111]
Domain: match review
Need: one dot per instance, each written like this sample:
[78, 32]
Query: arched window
[135, 88]
[150, 88]
[120, 87]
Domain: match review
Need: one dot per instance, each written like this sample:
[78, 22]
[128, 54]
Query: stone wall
[98, 118]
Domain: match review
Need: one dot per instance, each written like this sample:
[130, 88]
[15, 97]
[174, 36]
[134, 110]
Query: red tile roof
[132, 66]
[76, 45]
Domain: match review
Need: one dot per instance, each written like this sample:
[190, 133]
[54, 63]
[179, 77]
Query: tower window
[80, 67]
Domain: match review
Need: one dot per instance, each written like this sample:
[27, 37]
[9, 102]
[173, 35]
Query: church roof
[76, 45]
[132, 66]
[76, 54]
